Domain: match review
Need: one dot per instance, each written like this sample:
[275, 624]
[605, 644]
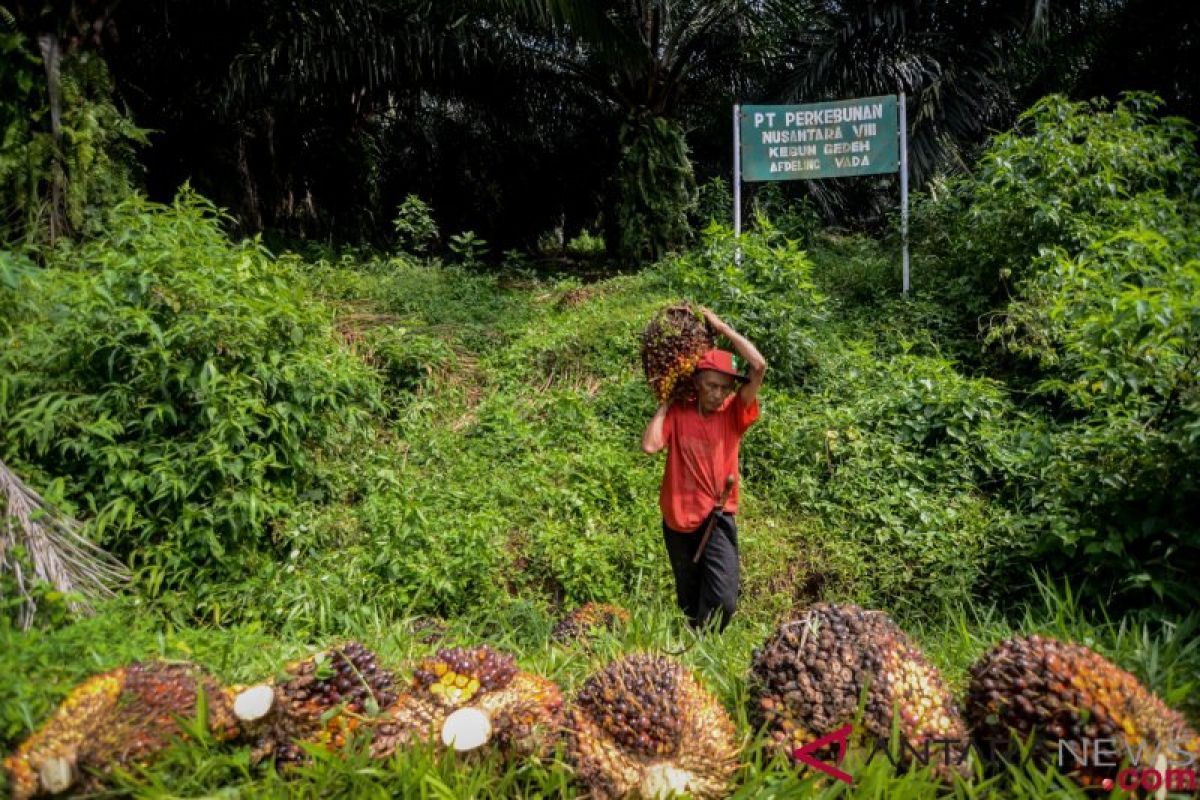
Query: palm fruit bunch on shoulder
[587, 618]
[673, 342]
[807, 679]
[320, 701]
[644, 726]
[478, 678]
[120, 718]
[1059, 691]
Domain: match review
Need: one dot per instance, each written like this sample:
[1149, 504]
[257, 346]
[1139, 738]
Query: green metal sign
[821, 140]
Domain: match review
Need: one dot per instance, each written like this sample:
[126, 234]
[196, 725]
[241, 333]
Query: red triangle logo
[805, 754]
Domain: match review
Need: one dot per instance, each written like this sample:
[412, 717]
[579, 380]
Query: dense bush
[857, 271]
[908, 466]
[1068, 168]
[1116, 330]
[774, 208]
[1086, 215]
[1063, 172]
[176, 382]
[762, 283]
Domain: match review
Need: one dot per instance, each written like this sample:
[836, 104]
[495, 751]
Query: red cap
[720, 361]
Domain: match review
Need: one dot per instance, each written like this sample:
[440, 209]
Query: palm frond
[57, 553]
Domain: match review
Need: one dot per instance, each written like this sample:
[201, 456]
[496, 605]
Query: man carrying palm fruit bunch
[702, 436]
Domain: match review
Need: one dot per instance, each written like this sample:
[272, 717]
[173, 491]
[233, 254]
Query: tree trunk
[51, 49]
[251, 209]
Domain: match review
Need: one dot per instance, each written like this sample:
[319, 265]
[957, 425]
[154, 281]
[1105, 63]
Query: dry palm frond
[56, 552]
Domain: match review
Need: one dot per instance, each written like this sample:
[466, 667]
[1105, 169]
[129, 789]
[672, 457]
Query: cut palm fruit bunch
[644, 726]
[320, 702]
[526, 715]
[456, 674]
[587, 618]
[466, 729]
[516, 711]
[414, 718]
[807, 680]
[673, 342]
[120, 718]
[1052, 691]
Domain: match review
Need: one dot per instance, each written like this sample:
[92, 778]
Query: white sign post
[737, 170]
[904, 189]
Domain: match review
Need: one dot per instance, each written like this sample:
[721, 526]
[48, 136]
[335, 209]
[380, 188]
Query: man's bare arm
[755, 363]
[652, 439]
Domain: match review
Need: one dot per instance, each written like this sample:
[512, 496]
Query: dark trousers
[710, 587]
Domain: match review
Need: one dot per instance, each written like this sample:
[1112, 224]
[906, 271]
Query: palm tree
[651, 63]
[315, 118]
[945, 55]
[59, 27]
[302, 90]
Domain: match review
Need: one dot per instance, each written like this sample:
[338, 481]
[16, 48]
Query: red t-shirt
[701, 452]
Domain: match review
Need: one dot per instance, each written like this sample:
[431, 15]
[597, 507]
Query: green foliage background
[1100, 333]
[97, 153]
[655, 189]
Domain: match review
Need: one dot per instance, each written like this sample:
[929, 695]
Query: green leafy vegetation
[175, 383]
[1102, 324]
[53, 183]
[414, 225]
[762, 280]
[657, 189]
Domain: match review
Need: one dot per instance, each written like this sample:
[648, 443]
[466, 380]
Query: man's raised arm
[755, 363]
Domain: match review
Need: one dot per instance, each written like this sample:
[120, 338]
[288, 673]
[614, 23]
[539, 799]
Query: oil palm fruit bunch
[119, 718]
[587, 618]
[1058, 691]
[441, 684]
[672, 344]
[517, 711]
[526, 714]
[808, 678]
[414, 717]
[644, 726]
[456, 674]
[320, 701]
